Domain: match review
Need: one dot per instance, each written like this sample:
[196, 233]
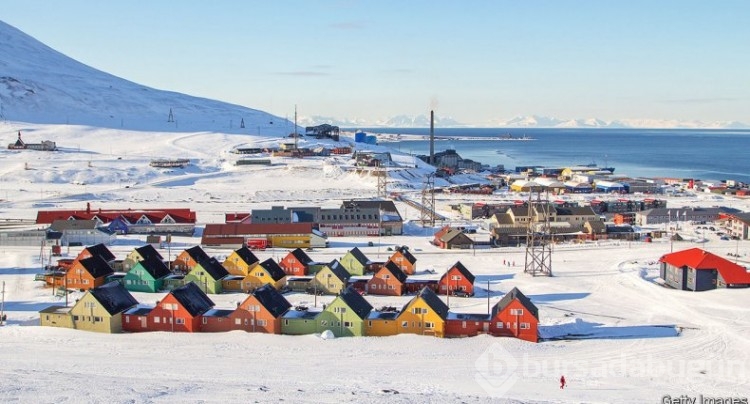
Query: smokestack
[432, 137]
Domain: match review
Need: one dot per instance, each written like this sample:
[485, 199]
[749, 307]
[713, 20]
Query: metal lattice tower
[428, 201]
[538, 236]
[382, 173]
[171, 116]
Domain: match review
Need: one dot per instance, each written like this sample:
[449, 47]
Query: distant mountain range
[533, 121]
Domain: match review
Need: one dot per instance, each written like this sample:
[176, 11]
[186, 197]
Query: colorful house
[100, 310]
[424, 314]
[186, 260]
[88, 273]
[515, 316]
[181, 310]
[332, 279]
[240, 262]
[147, 275]
[140, 254]
[697, 270]
[296, 263]
[382, 322]
[405, 260]
[346, 315]
[466, 324]
[300, 321]
[355, 262]
[390, 280]
[267, 272]
[262, 311]
[457, 280]
[207, 274]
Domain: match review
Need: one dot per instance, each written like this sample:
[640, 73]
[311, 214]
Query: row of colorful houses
[111, 308]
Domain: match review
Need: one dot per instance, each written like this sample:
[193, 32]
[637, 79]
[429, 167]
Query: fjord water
[680, 153]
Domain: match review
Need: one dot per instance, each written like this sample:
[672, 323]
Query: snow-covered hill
[41, 85]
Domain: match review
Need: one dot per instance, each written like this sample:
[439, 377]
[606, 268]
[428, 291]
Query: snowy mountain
[532, 121]
[41, 85]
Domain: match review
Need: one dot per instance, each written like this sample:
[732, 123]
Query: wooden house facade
[147, 275]
[345, 316]
[424, 314]
[390, 280]
[181, 310]
[457, 280]
[296, 263]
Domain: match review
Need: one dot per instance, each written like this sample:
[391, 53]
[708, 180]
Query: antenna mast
[295, 128]
[538, 235]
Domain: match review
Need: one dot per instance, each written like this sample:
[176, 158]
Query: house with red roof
[697, 270]
[124, 221]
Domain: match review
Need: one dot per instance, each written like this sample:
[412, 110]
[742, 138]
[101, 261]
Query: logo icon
[496, 370]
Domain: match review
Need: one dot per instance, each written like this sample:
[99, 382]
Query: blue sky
[475, 61]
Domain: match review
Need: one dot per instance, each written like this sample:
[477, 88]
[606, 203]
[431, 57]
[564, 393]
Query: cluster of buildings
[697, 270]
[110, 308]
[19, 144]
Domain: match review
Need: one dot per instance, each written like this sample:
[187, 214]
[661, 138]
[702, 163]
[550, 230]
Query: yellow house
[267, 272]
[139, 254]
[382, 323]
[424, 314]
[332, 279]
[240, 262]
[99, 310]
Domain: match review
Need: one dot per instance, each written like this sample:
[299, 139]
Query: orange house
[260, 312]
[515, 316]
[296, 263]
[188, 259]
[388, 281]
[457, 280]
[88, 273]
[181, 310]
[100, 250]
[405, 260]
[240, 262]
[382, 322]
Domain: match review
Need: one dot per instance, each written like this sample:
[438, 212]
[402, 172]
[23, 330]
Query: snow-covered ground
[612, 330]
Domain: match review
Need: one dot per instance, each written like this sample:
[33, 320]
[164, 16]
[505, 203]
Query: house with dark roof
[241, 261]
[87, 273]
[332, 279]
[139, 254]
[187, 259]
[260, 312]
[697, 270]
[457, 280]
[181, 310]
[452, 238]
[147, 275]
[267, 272]
[355, 262]
[404, 259]
[296, 263]
[382, 322]
[389, 280]
[515, 316]
[345, 316]
[424, 314]
[99, 250]
[207, 274]
[100, 310]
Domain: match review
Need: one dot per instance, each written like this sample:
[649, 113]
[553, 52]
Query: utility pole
[2, 305]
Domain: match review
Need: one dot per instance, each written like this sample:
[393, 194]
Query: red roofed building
[695, 269]
[128, 221]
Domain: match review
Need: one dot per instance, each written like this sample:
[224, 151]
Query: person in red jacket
[562, 382]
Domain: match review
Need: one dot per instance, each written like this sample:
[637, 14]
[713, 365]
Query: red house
[296, 263]
[515, 316]
[389, 281]
[100, 250]
[181, 310]
[457, 280]
[466, 324]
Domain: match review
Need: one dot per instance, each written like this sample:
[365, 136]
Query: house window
[75, 318]
[516, 312]
[157, 320]
[391, 287]
[323, 323]
[85, 282]
[419, 310]
[499, 324]
[97, 319]
[525, 326]
[404, 324]
[180, 320]
[455, 278]
[286, 322]
[237, 321]
[369, 323]
[429, 325]
[339, 309]
[127, 319]
[262, 323]
[348, 324]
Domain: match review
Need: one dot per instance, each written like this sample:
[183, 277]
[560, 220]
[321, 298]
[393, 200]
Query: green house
[331, 280]
[299, 321]
[146, 276]
[207, 274]
[355, 262]
[346, 315]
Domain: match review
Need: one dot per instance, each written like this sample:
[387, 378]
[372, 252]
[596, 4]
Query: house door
[143, 322]
[486, 327]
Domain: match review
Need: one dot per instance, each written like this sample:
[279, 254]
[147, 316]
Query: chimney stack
[432, 137]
